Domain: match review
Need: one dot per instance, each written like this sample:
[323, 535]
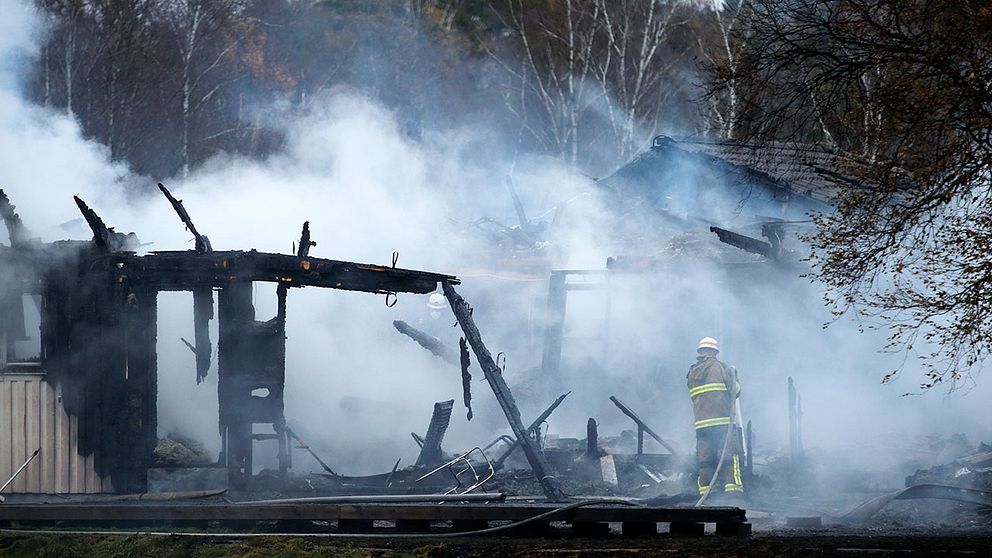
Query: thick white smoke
[356, 387]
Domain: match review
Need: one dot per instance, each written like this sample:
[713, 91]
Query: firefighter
[714, 390]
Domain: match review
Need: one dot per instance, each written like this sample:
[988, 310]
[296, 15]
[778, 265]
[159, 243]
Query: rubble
[973, 470]
[178, 451]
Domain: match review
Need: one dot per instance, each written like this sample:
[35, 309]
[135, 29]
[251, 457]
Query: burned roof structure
[731, 186]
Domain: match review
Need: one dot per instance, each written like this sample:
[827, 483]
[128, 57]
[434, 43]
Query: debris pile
[178, 451]
[972, 470]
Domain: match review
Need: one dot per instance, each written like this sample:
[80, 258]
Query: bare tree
[121, 35]
[729, 20]
[196, 27]
[553, 76]
[589, 72]
[60, 54]
[904, 88]
[633, 64]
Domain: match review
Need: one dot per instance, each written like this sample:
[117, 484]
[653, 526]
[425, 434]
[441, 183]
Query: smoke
[43, 157]
[356, 388]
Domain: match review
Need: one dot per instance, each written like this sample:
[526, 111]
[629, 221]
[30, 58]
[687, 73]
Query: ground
[780, 543]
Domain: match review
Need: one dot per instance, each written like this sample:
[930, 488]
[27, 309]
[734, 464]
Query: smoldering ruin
[87, 392]
[685, 345]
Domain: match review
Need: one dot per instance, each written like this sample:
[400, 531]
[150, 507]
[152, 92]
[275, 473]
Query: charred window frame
[20, 334]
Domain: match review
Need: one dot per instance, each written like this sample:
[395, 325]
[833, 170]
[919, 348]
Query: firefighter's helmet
[708, 343]
[436, 302]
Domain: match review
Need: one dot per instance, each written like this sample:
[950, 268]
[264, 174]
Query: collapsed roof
[695, 185]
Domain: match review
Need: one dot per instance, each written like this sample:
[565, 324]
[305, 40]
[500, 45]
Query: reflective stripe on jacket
[713, 390]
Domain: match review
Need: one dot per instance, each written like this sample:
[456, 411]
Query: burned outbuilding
[85, 391]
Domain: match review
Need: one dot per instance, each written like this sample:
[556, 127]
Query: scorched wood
[185, 270]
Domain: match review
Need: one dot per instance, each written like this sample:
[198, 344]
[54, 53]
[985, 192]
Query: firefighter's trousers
[709, 445]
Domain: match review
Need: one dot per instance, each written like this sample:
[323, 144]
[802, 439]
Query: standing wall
[32, 416]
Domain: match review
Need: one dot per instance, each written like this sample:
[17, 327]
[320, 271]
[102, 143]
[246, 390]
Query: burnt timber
[494, 375]
[181, 271]
[729, 521]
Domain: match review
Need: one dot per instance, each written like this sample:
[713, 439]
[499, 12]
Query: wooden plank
[61, 444]
[32, 433]
[92, 481]
[46, 458]
[326, 512]
[76, 478]
[17, 420]
[6, 433]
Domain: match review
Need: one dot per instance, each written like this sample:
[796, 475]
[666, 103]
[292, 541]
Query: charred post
[463, 313]
[642, 426]
[592, 439]
[466, 376]
[251, 378]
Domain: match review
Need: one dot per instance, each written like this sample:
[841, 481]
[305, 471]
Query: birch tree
[196, 27]
[633, 65]
[905, 88]
[591, 76]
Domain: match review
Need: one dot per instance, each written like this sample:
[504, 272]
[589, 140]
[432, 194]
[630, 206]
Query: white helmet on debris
[436, 302]
[708, 343]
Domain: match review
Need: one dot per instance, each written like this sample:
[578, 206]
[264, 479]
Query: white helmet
[708, 343]
[436, 302]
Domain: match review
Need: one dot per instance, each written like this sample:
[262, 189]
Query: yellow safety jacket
[713, 389]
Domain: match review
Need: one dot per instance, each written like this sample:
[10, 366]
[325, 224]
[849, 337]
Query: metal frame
[478, 481]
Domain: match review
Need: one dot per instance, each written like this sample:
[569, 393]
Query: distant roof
[690, 188]
[809, 170]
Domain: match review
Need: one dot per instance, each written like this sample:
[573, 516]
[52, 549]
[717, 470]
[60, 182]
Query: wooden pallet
[588, 520]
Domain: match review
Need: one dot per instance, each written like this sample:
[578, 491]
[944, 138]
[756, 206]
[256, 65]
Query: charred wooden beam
[463, 313]
[15, 227]
[186, 270]
[105, 238]
[465, 361]
[498, 462]
[427, 341]
[430, 450]
[101, 234]
[641, 424]
[303, 250]
[744, 242]
[203, 312]
[202, 242]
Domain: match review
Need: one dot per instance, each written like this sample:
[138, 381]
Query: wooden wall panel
[5, 430]
[32, 416]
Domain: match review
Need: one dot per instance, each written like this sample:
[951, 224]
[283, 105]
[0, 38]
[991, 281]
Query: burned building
[78, 366]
